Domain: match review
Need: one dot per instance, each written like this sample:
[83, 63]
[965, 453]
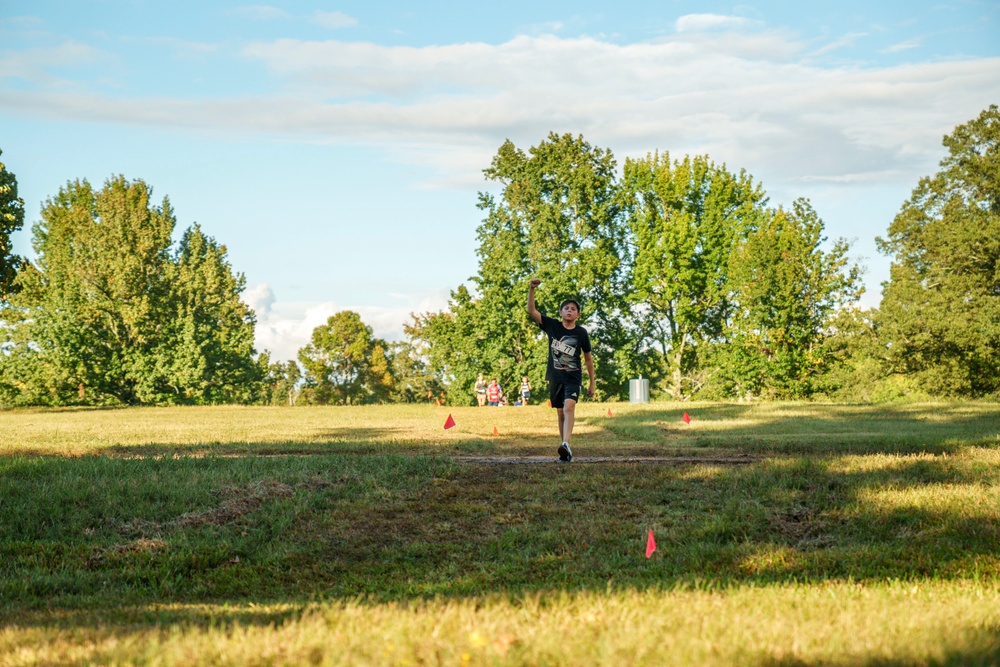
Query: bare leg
[568, 413]
[562, 419]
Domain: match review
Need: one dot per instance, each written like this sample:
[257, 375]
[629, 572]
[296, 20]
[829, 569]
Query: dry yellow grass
[82, 432]
[830, 624]
[533, 429]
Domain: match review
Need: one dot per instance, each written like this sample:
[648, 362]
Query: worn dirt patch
[237, 501]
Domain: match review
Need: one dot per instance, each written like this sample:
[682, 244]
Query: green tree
[88, 312]
[784, 288]
[208, 355]
[851, 354]
[281, 381]
[415, 381]
[660, 262]
[555, 219]
[108, 315]
[939, 320]
[450, 346]
[344, 364]
[11, 220]
[685, 218]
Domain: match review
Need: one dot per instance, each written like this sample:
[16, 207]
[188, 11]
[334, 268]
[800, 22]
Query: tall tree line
[686, 273]
[690, 277]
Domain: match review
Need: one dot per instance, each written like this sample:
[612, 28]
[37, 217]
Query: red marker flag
[609, 412]
[449, 423]
[686, 419]
[650, 544]
[495, 431]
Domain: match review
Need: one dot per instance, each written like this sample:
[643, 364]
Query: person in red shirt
[494, 393]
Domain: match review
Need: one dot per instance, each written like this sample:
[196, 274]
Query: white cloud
[335, 20]
[903, 46]
[523, 65]
[36, 65]
[846, 41]
[260, 298]
[283, 328]
[706, 22]
[752, 100]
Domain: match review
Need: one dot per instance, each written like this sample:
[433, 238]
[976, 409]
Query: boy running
[566, 343]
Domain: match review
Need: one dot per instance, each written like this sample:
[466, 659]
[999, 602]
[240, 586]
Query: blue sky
[336, 149]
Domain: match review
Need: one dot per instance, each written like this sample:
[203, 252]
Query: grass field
[788, 534]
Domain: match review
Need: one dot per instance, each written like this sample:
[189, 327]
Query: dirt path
[669, 460]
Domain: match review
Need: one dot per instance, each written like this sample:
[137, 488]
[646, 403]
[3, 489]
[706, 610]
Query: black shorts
[559, 393]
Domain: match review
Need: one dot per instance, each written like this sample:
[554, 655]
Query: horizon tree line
[686, 273]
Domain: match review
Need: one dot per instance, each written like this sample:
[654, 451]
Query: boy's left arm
[590, 371]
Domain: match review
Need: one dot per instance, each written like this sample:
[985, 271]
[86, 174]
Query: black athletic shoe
[565, 455]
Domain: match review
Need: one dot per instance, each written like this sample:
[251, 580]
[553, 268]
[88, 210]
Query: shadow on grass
[270, 449]
[196, 615]
[360, 514]
[96, 531]
[132, 544]
[61, 409]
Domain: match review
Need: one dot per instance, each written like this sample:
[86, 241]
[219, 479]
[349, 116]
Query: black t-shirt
[565, 348]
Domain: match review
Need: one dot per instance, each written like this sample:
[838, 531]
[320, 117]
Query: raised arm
[532, 311]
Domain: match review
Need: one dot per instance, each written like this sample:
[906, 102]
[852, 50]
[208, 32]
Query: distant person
[525, 390]
[567, 342]
[481, 390]
[494, 393]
